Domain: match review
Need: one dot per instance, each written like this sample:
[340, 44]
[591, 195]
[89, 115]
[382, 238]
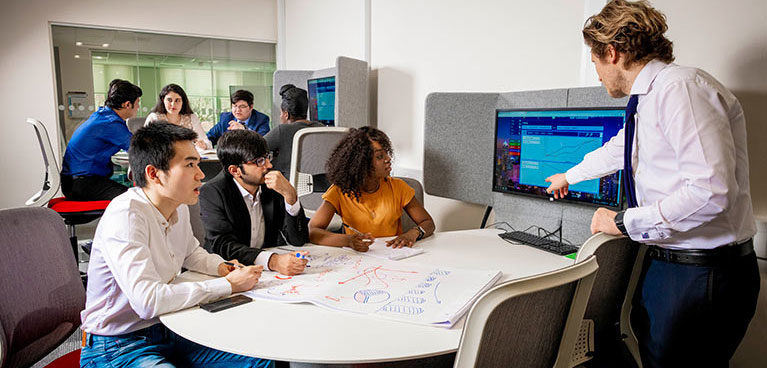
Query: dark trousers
[90, 188]
[694, 316]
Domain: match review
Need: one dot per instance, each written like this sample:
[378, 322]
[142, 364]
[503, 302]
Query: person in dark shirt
[243, 116]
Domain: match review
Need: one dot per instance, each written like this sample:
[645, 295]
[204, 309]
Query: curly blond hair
[634, 28]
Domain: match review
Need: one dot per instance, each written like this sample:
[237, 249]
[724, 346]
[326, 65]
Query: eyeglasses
[240, 107]
[261, 161]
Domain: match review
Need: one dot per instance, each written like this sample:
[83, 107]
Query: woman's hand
[405, 240]
[360, 242]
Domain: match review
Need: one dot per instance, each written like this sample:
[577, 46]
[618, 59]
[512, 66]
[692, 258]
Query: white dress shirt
[257, 223]
[690, 161]
[136, 254]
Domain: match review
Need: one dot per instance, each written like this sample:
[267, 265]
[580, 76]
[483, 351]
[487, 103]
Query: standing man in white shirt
[683, 152]
[141, 243]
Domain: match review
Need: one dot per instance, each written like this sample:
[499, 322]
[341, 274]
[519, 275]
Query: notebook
[379, 250]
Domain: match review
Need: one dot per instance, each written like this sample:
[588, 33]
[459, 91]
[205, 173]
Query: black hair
[153, 145]
[121, 91]
[242, 95]
[160, 107]
[238, 146]
[352, 160]
[294, 101]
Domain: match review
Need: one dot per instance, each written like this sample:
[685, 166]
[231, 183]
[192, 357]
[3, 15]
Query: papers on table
[379, 250]
[357, 283]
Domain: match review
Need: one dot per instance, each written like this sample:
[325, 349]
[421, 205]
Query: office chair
[407, 222]
[606, 326]
[311, 149]
[134, 124]
[42, 294]
[73, 212]
[530, 322]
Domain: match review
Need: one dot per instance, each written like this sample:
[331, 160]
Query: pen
[356, 231]
[233, 264]
[302, 256]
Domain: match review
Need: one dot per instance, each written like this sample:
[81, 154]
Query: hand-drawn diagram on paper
[346, 281]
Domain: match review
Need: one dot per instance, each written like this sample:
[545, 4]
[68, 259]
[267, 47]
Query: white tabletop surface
[311, 334]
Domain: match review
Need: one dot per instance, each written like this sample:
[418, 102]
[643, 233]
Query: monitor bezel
[308, 94]
[550, 198]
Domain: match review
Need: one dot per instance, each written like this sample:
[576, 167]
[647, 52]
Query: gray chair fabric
[531, 322]
[311, 149]
[407, 222]
[41, 291]
[617, 258]
[135, 124]
[195, 219]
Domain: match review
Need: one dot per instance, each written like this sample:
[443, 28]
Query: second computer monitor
[322, 100]
[533, 144]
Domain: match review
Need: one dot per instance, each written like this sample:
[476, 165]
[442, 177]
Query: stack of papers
[379, 250]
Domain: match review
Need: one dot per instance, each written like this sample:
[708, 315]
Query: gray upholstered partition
[459, 149]
[352, 81]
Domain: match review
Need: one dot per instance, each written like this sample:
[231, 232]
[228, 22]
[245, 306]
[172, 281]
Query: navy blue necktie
[628, 177]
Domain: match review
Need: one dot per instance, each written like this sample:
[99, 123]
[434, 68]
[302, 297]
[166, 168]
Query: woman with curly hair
[368, 200]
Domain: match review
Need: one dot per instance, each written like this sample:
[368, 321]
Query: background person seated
[247, 207]
[366, 197]
[173, 107]
[293, 108]
[243, 116]
[87, 164]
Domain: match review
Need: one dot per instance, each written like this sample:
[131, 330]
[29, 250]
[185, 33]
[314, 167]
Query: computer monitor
[322, 100]
[533, 144]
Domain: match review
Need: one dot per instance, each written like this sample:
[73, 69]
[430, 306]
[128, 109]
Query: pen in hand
[356, 231]
[303, 256]
[233, 264]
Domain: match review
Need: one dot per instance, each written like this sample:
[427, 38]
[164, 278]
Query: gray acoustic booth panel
[459, 152]
[352, 90]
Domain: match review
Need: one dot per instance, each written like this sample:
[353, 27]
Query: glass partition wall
[209, 70]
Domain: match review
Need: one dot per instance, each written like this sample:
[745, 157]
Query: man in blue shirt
[243, 116]
[87, 162]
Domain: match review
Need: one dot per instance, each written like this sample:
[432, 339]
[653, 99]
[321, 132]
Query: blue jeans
[156, 346]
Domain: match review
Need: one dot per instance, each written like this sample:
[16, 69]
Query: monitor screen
[322, 100]
[533, 144]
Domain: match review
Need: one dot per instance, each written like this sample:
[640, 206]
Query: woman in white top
[173, 107]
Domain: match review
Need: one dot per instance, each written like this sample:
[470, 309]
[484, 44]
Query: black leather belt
[702, 257]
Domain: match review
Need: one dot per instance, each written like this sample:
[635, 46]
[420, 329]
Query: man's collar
[156, 212]
[244, 192]
[646, 76]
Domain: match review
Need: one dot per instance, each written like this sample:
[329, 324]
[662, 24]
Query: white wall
[26, 64]
[418, 47]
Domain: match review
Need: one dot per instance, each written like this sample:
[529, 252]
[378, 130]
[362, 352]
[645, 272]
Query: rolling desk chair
[606, 324]
[73, 212]
[529, 322]
[311, 149]
[407, 222]
[42, 294]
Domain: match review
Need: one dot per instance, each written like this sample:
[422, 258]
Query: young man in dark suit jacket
[248, 207]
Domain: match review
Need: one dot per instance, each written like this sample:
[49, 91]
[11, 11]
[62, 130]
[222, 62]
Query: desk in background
[209, 163]
[310, 334]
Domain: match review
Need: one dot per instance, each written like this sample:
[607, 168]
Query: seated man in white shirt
[249, 206]
[141, 243]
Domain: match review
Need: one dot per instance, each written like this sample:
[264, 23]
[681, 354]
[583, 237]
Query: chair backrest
[530, 322]
[195, 219]
[612, 292]
[311, 149]
[134, 124]
[42, 294]
[52, 180]
[407, 222]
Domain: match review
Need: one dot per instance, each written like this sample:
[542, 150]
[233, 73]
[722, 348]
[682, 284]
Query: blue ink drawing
[435, 293]
[402, 309]
[424, 285]
[440, 272]
[412, 299]
[371, 296]
[430, 278]
[416, 292]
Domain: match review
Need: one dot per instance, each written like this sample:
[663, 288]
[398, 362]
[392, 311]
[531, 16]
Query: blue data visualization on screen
[322, 100]
[532, 145]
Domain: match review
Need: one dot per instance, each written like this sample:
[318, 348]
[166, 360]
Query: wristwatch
[421, 233]
[619, 222]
